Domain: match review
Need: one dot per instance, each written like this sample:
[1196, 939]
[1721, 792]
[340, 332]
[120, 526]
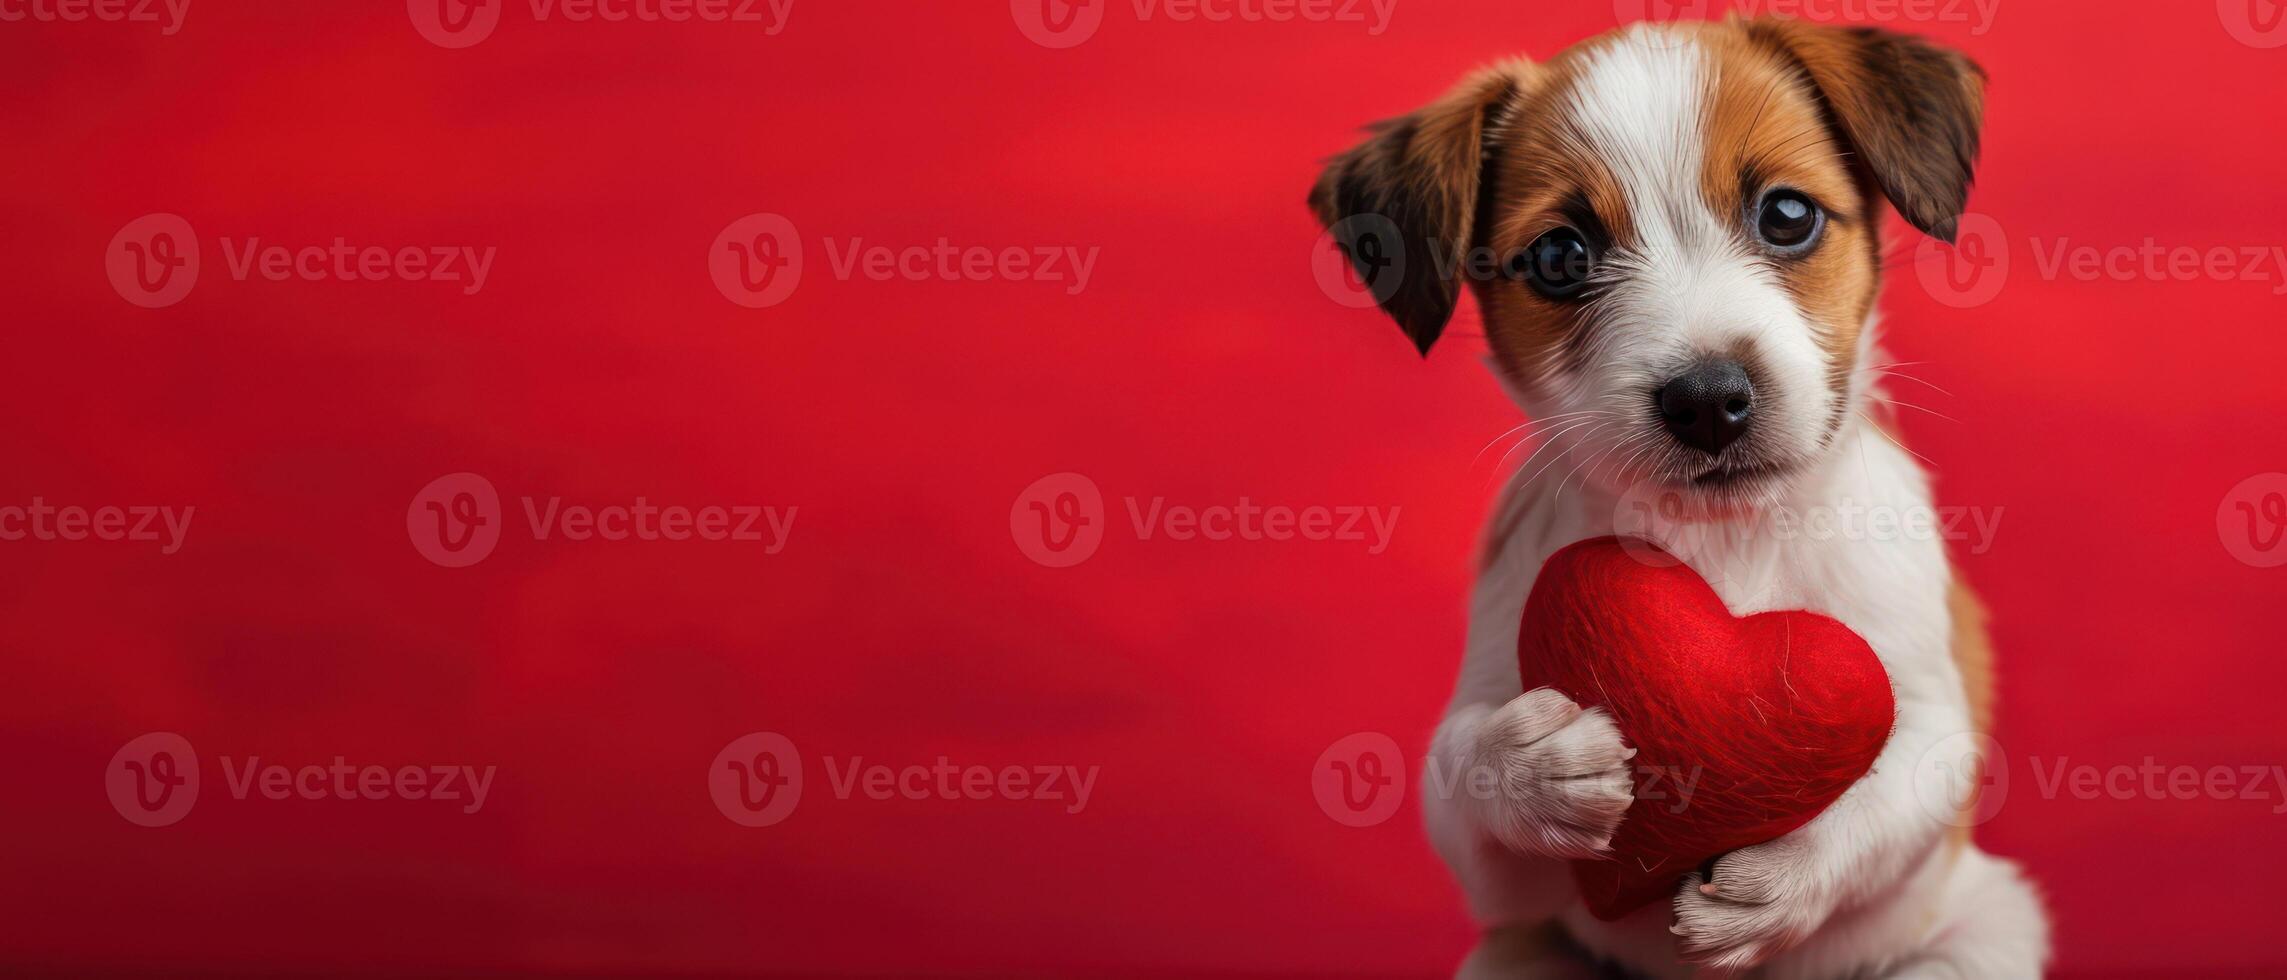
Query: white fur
[1869, 886]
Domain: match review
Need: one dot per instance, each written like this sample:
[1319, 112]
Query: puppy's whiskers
[1523, 430]
[1548, 439]
[1562, 453]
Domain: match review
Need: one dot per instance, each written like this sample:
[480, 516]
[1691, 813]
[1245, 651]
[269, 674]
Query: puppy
[1672, 233]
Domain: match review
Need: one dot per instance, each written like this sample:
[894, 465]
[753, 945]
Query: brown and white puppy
[1673, 235]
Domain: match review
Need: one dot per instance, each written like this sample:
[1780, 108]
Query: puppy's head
[1671, 232]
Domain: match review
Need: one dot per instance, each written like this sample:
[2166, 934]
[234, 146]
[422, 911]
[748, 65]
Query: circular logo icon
[1962, 780]
[1058, 24]
[1360, 261]
[1658, 15]
[455, 520]
[2255, 23]
[2252, 520]
[1058, 521]
[756, 780]
[454, 24]
[1655, 526]
[1971, 271]
[153, 261]
[756, 261]
[1360, 779]
[153, 779]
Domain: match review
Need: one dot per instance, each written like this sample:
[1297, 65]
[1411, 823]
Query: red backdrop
[2109, 419]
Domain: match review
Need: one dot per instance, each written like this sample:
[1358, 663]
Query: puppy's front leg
[1768, 897]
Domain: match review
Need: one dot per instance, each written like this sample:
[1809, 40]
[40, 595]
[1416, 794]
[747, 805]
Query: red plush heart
[1768, 718]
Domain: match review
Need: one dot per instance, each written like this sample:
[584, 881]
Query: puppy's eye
[1556, 265]
[1788, 221]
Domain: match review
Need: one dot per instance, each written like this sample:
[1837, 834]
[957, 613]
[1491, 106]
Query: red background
[1201, 364]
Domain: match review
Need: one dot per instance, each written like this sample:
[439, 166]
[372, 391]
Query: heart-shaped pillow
[1744, 727]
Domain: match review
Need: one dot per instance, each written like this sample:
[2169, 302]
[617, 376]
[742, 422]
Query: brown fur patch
[1972, 652]
[1973, 656]
[1539, 172]
[1767, 130]
[1910, 108]
[1421, 175]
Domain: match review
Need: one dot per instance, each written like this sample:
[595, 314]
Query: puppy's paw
[1764, 899]
[1560, 780]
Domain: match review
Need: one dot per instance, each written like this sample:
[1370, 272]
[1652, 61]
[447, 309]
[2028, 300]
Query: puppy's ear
[1402, 203]
[1910, 108]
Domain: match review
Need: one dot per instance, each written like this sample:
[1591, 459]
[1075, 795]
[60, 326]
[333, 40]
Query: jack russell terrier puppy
[1672, 233]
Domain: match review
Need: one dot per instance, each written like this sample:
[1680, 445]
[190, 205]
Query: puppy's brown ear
[1402, 203]
[1910, 108]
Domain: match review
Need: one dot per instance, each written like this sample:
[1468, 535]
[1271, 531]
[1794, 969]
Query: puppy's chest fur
[1890, 588]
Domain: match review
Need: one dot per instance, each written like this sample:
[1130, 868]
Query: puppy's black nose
[1708, 407]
